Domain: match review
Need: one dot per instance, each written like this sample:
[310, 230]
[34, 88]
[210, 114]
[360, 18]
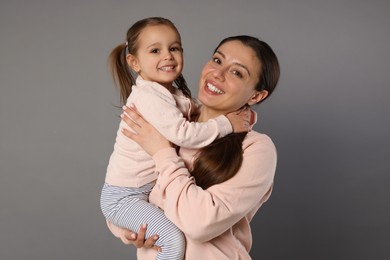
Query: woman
[234, 175]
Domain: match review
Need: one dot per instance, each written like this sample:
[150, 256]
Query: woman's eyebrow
[235, 63]
[220, 53]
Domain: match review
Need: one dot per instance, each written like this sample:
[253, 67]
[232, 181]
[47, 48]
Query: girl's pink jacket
[130, 165]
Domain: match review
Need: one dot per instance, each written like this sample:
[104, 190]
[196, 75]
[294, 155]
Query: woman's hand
[144, 133]
[138, 240]
[129, 237]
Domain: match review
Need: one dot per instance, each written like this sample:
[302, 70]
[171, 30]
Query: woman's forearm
[205, 214]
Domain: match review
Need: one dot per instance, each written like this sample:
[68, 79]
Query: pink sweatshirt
[130, 165]
[215, 221]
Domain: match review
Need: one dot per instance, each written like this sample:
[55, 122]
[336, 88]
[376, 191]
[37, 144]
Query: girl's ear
[257, 97]
[132, 61]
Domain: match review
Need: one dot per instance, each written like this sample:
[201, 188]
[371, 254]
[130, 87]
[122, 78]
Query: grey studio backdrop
[329, 119]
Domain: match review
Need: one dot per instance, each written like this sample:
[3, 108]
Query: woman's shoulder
[255, 136]
[259, 153]
[257, 139]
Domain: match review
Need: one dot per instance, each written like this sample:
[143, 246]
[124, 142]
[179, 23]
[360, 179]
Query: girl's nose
[168, 55]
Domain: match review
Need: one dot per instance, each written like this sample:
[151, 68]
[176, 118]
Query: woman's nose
[219, 73]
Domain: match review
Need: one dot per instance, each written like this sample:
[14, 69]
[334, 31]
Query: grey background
[329, 119]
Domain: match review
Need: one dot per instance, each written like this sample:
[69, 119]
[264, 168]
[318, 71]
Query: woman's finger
[140, 241]
[142, 132]
[130, 122]
[128, 237]
[149, 243]
[134, 114]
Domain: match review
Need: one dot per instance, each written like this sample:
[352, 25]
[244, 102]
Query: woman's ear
[132, 61]
[257, 97]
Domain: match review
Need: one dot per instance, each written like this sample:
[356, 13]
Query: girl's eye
[175, 49]
[154, 51]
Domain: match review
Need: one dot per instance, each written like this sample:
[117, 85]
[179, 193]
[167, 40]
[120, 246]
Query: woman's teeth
[214, 89]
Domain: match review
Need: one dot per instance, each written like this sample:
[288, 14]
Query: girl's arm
[160, 109]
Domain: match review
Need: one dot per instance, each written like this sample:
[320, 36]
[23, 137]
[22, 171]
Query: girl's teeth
[169, 68]
[214, 89]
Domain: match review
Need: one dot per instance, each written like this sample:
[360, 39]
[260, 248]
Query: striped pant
[128, 207]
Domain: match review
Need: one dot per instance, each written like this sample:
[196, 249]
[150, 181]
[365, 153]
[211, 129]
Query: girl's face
[159, 55]
[228, 80]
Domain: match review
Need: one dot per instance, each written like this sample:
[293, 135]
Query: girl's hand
[144, 133]
[240, 120]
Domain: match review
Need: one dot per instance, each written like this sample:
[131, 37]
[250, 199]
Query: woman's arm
[205, 214]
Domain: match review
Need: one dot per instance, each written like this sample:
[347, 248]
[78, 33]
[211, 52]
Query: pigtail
[121, 72]
[182, 85]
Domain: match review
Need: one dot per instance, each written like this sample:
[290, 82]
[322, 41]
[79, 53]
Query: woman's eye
[237, 73]
[216, 60]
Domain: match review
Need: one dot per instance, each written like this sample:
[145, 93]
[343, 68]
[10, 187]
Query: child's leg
[128, 208]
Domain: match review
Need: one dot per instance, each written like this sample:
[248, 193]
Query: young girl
[154, 56]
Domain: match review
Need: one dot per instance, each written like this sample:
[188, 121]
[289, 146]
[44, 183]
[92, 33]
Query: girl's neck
[168, 85]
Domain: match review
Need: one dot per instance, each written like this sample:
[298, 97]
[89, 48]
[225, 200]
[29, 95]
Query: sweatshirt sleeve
[204, 214]
[160, 110]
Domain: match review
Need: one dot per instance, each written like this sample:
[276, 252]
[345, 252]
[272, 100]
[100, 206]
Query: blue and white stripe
[129, 208]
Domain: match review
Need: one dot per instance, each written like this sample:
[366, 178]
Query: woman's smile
[212, 88]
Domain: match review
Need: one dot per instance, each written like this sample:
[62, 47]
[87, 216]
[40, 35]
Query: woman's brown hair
[221, 160]
[124, 76]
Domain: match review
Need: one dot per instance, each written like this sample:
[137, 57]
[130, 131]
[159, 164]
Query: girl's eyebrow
[159, 44]
[153, 45]
[235, 63]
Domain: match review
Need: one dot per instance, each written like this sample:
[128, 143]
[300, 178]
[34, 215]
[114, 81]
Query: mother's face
[228, 80]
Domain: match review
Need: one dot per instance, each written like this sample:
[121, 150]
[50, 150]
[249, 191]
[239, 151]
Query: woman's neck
[207, 114]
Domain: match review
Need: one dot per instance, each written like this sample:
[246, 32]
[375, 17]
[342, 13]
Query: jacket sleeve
[160, 110]
[204, 214]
